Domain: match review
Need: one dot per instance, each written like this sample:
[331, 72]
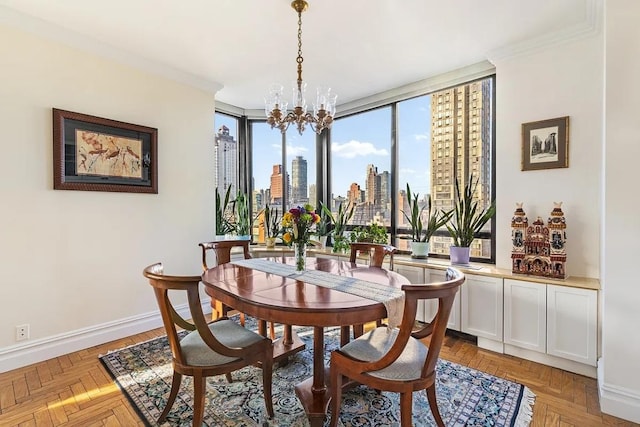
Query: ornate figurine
[537, 249]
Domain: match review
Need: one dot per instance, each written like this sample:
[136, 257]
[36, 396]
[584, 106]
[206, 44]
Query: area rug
[466, 397]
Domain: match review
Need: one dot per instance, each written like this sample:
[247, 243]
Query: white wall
[564, 80]
[72, 260]
[619, 371]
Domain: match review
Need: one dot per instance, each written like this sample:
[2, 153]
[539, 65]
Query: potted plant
[421, 233]
[467, 220]
[323, 228]
[344, 215]
[372, 233]
[271, 225]
[224, 214]
[243, 221]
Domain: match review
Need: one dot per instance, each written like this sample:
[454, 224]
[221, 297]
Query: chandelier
[276, 108]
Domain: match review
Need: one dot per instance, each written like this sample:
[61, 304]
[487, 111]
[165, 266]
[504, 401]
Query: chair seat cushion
[376, 343]
[197, 353]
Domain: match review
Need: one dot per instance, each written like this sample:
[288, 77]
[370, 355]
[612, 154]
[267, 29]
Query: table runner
[392, 298]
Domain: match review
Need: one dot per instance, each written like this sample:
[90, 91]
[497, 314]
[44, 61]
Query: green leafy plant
[422, 232]
[271, 223]
[468, 219]
[243, 220]
[340, 220]
[224, 213]
[373, 233]
[323, 228]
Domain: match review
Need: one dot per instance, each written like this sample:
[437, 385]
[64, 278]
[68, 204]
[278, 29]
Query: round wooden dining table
[274, 298]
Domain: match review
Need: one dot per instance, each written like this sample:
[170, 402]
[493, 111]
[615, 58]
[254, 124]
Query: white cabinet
[482, 299]
[431, 306]
[572, 323]
[525, 314]
[415, 276]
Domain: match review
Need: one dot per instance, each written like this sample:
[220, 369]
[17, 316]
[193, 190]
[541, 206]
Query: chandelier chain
[299, 59]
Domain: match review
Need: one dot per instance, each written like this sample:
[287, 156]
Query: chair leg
[229, 377]
[433, 404]
[267, 376]
[406, 403]
[175, 386]
[199, 387]
[336, 397]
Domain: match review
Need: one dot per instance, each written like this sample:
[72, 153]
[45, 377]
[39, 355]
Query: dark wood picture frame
[97, 154]
[545, 144]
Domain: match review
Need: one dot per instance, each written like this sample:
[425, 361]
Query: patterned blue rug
[466, 397]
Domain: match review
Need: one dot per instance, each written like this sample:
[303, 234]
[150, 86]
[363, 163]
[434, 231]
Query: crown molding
[591, 26]
[39, 27]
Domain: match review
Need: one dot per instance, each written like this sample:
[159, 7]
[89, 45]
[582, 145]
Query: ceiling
[357, 47]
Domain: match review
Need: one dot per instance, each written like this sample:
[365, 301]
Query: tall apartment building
[355, 195]
[276, 191]
[299, 181]
[370, 189]
[460, 145]
[225, 157]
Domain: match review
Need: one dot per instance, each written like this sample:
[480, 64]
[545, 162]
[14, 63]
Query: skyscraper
[299, 181]
[460, 146]
[275, 190]
[225, 157]
[370, 194]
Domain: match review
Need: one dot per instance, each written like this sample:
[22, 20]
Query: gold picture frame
[545, 144]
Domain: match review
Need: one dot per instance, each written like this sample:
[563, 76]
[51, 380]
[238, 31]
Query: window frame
[323, 155]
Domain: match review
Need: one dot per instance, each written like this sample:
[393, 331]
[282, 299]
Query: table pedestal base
[315, 404]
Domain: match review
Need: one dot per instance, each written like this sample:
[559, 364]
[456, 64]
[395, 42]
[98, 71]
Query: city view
[439, 137]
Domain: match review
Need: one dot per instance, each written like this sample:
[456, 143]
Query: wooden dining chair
[221, 251]
[209, 349]
[376, 253]
[398, 360]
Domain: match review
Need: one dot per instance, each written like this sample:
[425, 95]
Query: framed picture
[96, 154]
[545, 144]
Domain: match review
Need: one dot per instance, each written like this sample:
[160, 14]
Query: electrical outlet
[22, 332]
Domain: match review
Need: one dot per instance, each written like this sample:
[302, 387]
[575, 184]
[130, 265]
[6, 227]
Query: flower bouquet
[298, 225]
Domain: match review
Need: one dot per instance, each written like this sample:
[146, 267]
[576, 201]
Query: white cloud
[353, 148]
[296, 150]
[422, 137]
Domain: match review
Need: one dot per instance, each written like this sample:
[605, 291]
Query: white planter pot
[420, 250]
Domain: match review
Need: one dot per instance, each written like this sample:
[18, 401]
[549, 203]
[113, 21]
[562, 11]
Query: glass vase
[300, 253]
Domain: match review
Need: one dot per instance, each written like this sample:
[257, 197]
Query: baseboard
[34, 351]
[618, 401]
[547, 359]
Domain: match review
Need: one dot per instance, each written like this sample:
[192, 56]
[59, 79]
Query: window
[427, 141]
[361, 165]
[226, 157]
[281, 185]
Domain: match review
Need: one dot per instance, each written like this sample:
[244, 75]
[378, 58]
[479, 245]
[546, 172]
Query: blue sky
[357, 141]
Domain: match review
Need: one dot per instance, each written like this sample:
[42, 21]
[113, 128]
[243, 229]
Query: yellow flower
[286, 237]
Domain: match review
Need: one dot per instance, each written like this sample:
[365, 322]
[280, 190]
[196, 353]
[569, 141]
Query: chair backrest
[222, 250]
[445, 292]
[375, 251]
[162, 284]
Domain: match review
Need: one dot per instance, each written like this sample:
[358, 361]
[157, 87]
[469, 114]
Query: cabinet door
[571, 323]
[415, 276]
[482, 306]
[431, 306]
[525, 314]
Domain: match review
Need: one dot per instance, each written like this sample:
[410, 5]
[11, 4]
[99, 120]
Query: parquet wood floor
[75, 390]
